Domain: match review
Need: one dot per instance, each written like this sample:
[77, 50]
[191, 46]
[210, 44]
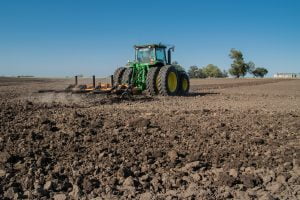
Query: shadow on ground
[111, 99]
[194, 94]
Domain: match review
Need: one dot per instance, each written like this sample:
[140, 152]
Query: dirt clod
[250, 181]
[139, 123]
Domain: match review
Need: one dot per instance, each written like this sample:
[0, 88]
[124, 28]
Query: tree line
[239, 68]
[206, 72]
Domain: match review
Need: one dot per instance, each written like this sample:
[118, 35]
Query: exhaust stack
[169, 54]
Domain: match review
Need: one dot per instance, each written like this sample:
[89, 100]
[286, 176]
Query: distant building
[287, 75]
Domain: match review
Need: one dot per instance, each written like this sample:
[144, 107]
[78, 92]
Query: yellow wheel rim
[172, 82]
[184, 84]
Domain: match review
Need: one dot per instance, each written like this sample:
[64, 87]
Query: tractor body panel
[139, 74]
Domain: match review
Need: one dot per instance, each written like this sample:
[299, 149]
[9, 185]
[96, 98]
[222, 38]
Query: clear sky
[67, 37]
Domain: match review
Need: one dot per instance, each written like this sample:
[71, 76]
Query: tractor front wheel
[168, 81]
[118, 76]
[184, 83]
[151, 82]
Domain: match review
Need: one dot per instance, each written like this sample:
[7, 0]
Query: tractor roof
[150, 45]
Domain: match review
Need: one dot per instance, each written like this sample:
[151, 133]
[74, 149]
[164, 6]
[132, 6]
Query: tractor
[152, 71]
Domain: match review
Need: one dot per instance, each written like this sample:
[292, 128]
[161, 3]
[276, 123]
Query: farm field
[230, 138]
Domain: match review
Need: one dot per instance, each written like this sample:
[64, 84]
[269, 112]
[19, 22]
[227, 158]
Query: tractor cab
[152, 54]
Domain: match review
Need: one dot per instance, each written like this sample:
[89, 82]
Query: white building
[287, 75]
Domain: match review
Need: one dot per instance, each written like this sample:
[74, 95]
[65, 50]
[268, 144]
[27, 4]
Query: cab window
[145, 54]
[160, 54]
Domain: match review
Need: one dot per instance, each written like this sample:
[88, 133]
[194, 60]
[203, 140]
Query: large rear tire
[126, 78]
[168, 81]
[184, 84]
[151, 82]
[118, 76]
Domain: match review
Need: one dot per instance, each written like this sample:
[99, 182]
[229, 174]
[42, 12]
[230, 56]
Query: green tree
[224, 74]
[195, 72]
[238, 67]
[212, 71]
[251, 66]
[192, 71]
[178, 66]
[201, 74]
[259, 72]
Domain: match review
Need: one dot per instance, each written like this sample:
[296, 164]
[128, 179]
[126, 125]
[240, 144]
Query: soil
[230, 138]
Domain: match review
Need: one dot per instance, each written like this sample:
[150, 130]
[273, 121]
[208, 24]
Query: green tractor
[152, 71]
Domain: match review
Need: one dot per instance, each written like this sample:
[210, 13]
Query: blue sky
[67, 37]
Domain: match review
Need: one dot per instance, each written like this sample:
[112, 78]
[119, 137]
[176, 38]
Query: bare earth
[230, 138]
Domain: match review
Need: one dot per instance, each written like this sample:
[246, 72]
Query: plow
[152, 72]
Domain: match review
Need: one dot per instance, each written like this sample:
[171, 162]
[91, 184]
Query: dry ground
[229, 138]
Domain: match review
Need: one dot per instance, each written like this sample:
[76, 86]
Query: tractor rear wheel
[126, 78]
[151, 82]
[184, 83]
[118, 76]
[167, 81]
